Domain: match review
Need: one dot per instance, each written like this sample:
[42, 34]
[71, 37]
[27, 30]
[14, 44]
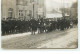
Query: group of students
[32, 25]
[43, 25]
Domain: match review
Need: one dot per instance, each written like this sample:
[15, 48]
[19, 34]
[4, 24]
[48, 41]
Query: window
[19, 2]
[30, 13]
[20, 13]
[25, 12]
[31, 1]
[25, 3]
[10, 13]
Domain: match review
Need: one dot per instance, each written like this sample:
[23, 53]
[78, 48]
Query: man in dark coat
[33, 26]
[41, 25]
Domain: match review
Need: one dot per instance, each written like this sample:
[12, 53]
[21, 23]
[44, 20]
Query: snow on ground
[7, 37]
[68, 41]
[55, 39]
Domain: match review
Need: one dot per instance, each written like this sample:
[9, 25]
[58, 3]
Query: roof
[55, 15]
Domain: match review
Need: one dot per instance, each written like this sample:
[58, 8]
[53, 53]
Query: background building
[22, 9]
[8, 9]
[41, 9]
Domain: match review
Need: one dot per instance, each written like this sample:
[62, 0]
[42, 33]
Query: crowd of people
[32, 25]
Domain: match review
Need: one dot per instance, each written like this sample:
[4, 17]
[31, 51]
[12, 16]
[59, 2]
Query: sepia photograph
[39, 24]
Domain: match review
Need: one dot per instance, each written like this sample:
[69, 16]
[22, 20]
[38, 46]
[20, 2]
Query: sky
[53, 4]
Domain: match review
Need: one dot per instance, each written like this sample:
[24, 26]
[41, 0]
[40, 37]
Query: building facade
[22, 9]
[41, 9]
[8, 9]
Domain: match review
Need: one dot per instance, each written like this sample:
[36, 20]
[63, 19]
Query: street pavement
[54, 40]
